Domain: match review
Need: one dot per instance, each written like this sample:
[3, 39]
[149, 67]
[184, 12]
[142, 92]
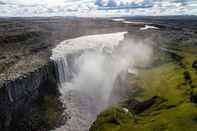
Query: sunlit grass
[168, 82]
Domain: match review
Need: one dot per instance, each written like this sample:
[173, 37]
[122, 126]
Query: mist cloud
[101, 62]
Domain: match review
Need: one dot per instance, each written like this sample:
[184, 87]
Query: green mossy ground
[172, 79]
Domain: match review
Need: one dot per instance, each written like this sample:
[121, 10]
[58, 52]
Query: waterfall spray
[88, 67]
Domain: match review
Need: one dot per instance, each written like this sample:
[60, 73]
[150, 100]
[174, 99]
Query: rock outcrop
[21, 99]
[194, 65]
[136, 106]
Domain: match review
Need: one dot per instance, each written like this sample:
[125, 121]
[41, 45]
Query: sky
[97, 8]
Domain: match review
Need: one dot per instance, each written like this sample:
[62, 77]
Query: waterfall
[88, 68]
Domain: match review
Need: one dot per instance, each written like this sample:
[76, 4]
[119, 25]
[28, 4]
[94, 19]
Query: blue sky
[97, 8]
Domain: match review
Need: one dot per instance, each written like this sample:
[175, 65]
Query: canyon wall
[21, 99]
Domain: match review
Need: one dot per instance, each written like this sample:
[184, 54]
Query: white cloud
[89, 8]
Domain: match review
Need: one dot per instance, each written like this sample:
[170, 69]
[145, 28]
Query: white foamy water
[149, 27]
[88, 68]
[133, 22]
[118, 20]
[87, 42]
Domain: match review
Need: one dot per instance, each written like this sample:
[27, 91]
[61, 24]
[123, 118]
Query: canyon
[37, 83]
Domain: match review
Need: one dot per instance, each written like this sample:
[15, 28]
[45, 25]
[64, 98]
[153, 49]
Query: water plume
[88, 68]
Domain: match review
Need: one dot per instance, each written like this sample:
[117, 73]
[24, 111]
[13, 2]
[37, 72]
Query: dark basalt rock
[187, 76]
[194, 65]
[31, 102]
[138, 107]
[194, 96]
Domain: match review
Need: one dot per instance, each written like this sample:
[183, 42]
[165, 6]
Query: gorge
[79, 74]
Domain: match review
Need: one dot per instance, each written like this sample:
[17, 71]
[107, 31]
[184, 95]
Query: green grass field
[172, 80]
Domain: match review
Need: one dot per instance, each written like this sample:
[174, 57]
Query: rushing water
[88, 68]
